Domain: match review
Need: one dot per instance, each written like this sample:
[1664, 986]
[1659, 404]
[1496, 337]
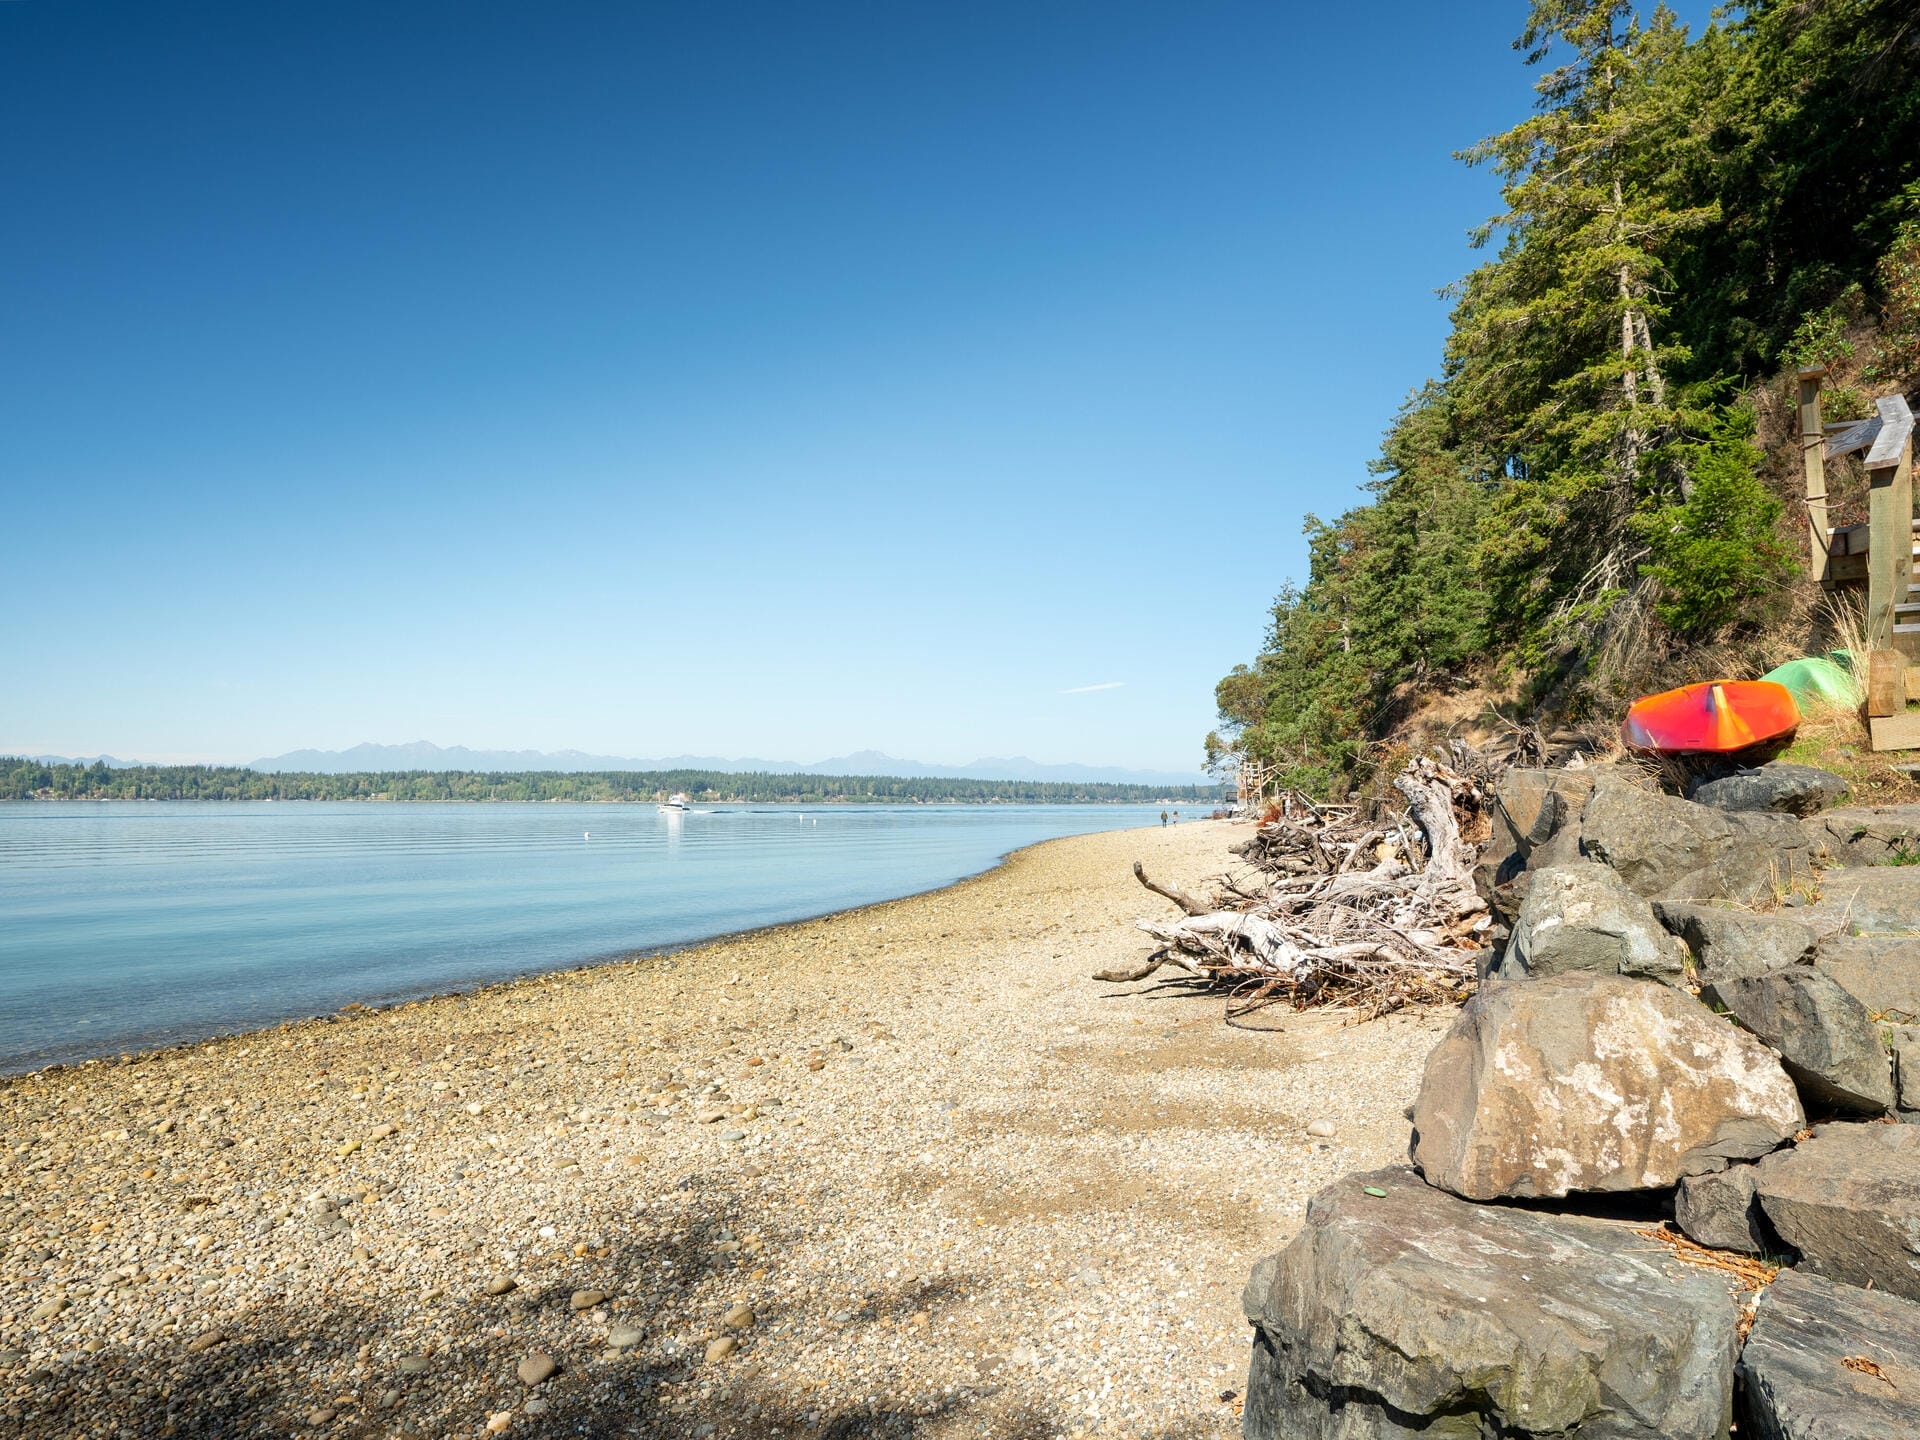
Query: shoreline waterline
[138, 927]
[616, 960]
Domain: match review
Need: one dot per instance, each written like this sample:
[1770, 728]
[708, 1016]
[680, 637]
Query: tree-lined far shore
[25, 779]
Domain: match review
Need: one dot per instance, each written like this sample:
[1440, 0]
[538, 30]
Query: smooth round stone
[586, 1299]
[536, 1368]
[722, 1348]
[501, 1284]
[411, 1364]
[535, 1406]
[499, 1421]
[740, 1317]
[1323, 1129]
[625, 1337]
[320, 1417]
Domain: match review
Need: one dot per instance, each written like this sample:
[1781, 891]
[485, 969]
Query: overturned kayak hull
[1715, 717]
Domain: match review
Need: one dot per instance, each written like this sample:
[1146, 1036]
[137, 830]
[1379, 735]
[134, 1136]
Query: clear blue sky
[761, 379]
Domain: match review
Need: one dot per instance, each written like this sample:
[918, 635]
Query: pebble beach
[904, 1170]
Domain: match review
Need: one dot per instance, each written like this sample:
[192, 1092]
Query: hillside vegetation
[1599, 493]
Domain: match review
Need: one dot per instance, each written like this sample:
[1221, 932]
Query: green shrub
[1717, 554]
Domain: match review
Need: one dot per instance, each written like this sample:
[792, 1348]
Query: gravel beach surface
[904, 1170]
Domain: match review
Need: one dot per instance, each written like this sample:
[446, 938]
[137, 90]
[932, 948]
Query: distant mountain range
[111, 762]
[424, 755]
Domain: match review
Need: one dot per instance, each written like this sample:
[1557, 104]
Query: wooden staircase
[1906, 614]
[1881, 556]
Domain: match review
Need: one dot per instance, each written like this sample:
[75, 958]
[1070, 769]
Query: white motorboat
[674, 805]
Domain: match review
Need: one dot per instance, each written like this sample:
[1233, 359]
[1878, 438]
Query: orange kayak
[1715, 716]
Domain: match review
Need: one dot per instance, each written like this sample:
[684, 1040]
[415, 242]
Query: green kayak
[1816, 680]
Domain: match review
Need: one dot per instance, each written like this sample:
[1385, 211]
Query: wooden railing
[1880, 552]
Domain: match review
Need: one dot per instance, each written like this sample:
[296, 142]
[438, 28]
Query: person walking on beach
[1163, 817]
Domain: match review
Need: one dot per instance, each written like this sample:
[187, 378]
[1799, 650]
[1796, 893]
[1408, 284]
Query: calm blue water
[138, 924]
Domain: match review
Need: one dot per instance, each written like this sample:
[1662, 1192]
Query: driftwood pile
[1368, 915]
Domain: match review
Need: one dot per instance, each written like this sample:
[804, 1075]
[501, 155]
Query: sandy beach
[904, 1170]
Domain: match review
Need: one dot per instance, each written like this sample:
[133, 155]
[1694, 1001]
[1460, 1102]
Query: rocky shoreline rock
[1827, 1360]
[1593, 1083]
[1424, 1302]
[1401, 1310]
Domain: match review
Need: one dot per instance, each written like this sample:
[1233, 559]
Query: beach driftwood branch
[1368, 913]
[1179, 897]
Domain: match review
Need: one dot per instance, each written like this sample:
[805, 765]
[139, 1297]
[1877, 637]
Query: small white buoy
[586, 835]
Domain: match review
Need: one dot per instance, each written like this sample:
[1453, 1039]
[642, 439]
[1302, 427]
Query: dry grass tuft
[1754, 1275]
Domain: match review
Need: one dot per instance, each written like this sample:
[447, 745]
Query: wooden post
[1890, 518]
[1886, 683]
[1813, 459]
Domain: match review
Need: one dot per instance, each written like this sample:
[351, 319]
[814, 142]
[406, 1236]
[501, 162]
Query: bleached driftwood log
[1364, 915]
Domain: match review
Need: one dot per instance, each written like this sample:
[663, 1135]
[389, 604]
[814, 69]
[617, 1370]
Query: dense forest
[31, 780]
[1598, 493]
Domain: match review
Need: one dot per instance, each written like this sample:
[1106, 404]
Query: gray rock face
[1864, 834]
[1867, 900]
[1536, 823]
[1732, 944]
[1583, 1082]
[1783, 789]
[1905, 1043]
[1672, 849]
[1720, 1211]
[1411, 1313]
[1581, 916]
[1795, 1383]
[1826, 1042]
[1882, 972]
[1848, 1200]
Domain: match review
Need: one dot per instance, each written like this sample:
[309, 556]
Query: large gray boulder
[1801, 1376]
[1584, 1082]
[1848, 1199]
[1671, 849]
[1719, 1211]
[1581, 916]
[1410, 1313]
[1535, 818]
[1864, 834]
[1882, 972]
[1731, 944]
[1834, 1053]
[1783, 789]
